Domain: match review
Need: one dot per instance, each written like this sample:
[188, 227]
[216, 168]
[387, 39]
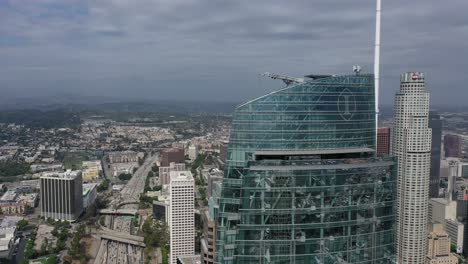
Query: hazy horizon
[198, 50]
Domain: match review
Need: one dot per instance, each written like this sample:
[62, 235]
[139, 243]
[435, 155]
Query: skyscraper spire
[377, 61]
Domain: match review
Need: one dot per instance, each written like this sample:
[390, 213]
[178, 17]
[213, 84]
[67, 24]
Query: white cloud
[116, 40]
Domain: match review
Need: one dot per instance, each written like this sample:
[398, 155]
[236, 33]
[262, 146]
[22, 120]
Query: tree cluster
[156, 233]
[197, 163]
[41, 119]
[12, 168]
[125, 176]
[104, 186]
[77, 249]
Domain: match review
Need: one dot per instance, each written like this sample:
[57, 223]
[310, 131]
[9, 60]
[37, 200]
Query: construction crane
[288, 80]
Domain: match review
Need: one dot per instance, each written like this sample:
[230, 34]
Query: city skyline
[167, 50]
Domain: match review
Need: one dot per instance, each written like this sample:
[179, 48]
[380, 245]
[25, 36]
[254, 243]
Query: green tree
[44, 246]
[50, 220]
[52, 260]
[156, 234]
[29, 210]
[125, 176]
[104, 186]
[22, 224]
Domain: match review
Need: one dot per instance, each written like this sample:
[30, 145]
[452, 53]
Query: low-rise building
[91, 170]
[14, 203]
[438, 246]
[89, 194]
[193, 259]
[7, 240]
[124, 156]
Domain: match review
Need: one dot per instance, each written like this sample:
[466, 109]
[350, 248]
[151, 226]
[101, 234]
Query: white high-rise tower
[181, 215]
[411, 145]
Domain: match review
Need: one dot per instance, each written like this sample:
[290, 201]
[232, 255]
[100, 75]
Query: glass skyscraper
[302, 181]
[435, 124]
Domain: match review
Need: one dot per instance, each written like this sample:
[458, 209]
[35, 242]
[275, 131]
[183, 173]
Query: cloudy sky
[215, 49]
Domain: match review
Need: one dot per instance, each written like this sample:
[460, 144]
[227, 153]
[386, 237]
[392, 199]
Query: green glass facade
[302, 183]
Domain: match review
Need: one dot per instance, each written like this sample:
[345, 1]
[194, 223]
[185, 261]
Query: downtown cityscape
[349, 162]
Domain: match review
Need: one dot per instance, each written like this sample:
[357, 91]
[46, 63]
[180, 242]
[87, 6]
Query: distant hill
[118, 105]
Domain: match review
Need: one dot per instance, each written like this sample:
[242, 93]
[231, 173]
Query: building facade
[175, 155]
[435, 124]
[165, 172]
[192, 152]
[452, 146]
[302, 182]
[412, 147]
[456, 232]
[61, 196]
[207, 246]
[383, 141]
[438, 246]
[181, 215]
[89, 194]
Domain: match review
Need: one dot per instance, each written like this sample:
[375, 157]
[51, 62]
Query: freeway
[112, 251]
[118, 212]
[135, 186]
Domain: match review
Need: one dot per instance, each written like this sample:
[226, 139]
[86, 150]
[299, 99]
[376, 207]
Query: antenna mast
[377, 65]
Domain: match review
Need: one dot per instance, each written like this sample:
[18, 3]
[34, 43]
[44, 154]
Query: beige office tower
[181, 215]
[411, 145]
[438, 246]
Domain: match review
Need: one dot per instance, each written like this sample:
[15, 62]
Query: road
[20, 252]
[117, 252]
[135, 186]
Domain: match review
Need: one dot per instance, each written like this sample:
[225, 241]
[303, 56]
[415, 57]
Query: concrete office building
[411, 145]
[441, 209]
[435, 123]
[223, 150]
[302, 182]
[462, 170]
[438, 246]
[456, 232]
[192, 152]
[89, 194]
[165, 172]
[175, 155]
[61, 195]
[383, 141]
[181, 215]
[452, 146]
[208, 249]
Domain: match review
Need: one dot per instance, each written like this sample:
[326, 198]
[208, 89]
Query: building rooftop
[8, 196]
[195, 259]
[9, 221]
[181, 175]
[172, 150]
[88, 187]
[69, 174]
[439, 200]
